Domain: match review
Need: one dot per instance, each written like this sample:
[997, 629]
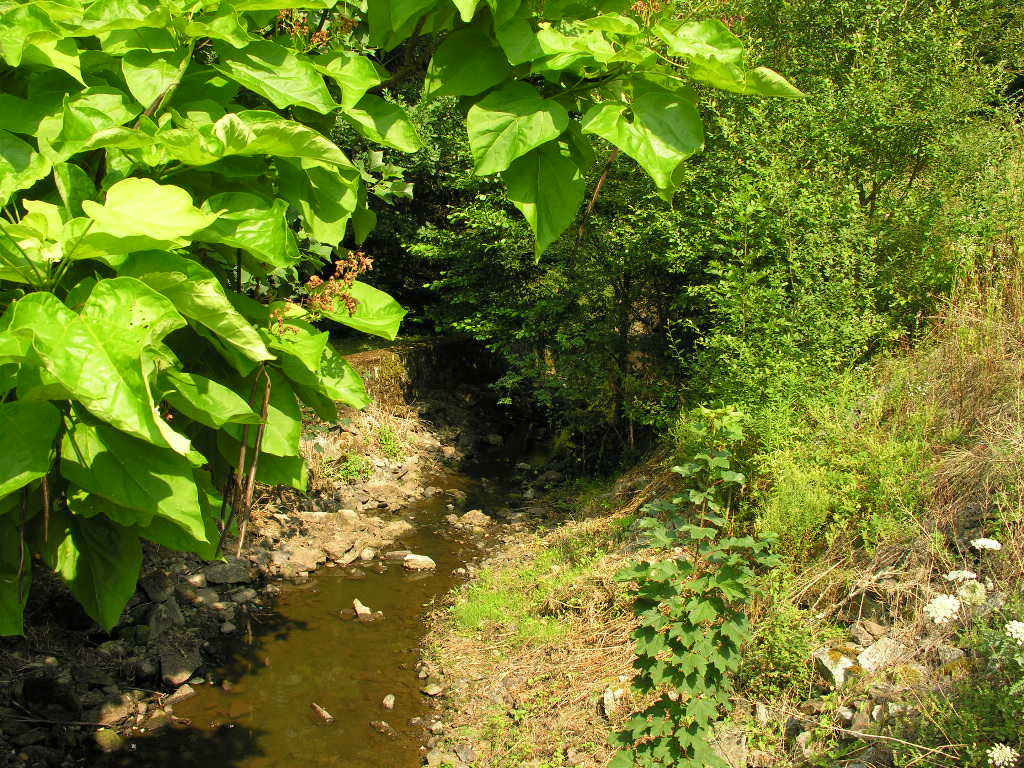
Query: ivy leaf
[205, 400]
[276, 74]
[31, 428]
[252, 223]
[547, 187]
[142, 207]
[664, 131]
[508, 123]
[384, 123]
[199, 296]
[100, 562]
[376, 313]
[466, 63]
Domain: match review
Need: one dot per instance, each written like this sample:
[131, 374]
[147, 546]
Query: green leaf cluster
[691, 604]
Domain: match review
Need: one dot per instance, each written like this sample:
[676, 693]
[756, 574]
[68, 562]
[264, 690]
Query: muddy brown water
[303, 652]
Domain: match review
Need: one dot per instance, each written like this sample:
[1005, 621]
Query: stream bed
[255, 710]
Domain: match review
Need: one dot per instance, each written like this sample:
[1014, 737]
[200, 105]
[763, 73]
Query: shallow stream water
[302, 652]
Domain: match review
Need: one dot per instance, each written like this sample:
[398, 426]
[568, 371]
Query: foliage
[691, 608]
[388, 441]
[168, 181]
[354, 468]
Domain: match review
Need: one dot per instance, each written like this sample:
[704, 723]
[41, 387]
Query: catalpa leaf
[142, 207]
[508, 123]
[199, 296]
[547, 187]
[664, 131]
[151, 75]
[100, 562]
[466, 63]
[254, 224]
[205, 400]
[384, 123]
[31, 428]
[326, 196]
[376, 312]
[354, 74]
[97, 362]
[276, 74]
[20, 165]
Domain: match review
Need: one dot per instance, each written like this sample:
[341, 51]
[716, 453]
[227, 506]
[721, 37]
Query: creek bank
[74, 690]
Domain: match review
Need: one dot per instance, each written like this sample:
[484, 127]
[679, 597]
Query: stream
[255, 711]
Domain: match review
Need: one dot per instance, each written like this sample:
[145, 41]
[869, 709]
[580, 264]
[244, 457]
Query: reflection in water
[303, 652]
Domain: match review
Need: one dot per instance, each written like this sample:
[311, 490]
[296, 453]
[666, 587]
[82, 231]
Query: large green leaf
[107, 15]
[354, 74]
[88, 120]
[340, 381]
[20, 165]
[547, 187]
[664, 131]
[272, 470]
[168, 533]
[284, 420]
[15, 576]
[261, 132]
[100, 562]
[468, 62]
[199, 296]
[384, 123]
[31, 429]
[254, 224]
[326, 196]
[716, 57]
[142, 207]
[205, 400]
[376, 312]
[276, 74]
[96, 356]
[151, 75]
[508, 123]
[141, 479]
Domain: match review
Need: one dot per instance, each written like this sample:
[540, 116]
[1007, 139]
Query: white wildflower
[986, 544]
[1002, 756]
[1015, 631]
[942, 609]
[972, 593]
[960, 576]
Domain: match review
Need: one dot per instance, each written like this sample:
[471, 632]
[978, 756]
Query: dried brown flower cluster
[324, 294]
[277, 316]
[293, 23]
[646, 9]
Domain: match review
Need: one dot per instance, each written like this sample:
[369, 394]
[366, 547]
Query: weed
[354, 468]
[388, 442]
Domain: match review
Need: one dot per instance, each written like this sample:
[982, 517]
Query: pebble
[389, 701]
[433, 689]
[367, 554]
[227, 628]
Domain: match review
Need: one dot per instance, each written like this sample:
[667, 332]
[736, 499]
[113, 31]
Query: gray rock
[948, 654]
[108, 740]
[114, 709]
[184, 692]
[396, 555]
[389, 701]
[361, 610]
[206, 597]
[158, 586]
[244, 595]
[367, 554]
[880, 654]
[465, 753]
[231, 572]
[305, 558]
[730, 744]
[177, 664]
[834, 664]
[227, 628]
[382, 726]
[418, 563]
[476, 517]
[432, 689]
[338, 547]
[163, 617]
[437, 757]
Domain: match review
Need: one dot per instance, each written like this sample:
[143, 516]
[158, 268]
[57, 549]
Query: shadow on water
[305, 653]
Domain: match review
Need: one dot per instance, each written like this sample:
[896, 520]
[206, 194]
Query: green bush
[354, 468]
